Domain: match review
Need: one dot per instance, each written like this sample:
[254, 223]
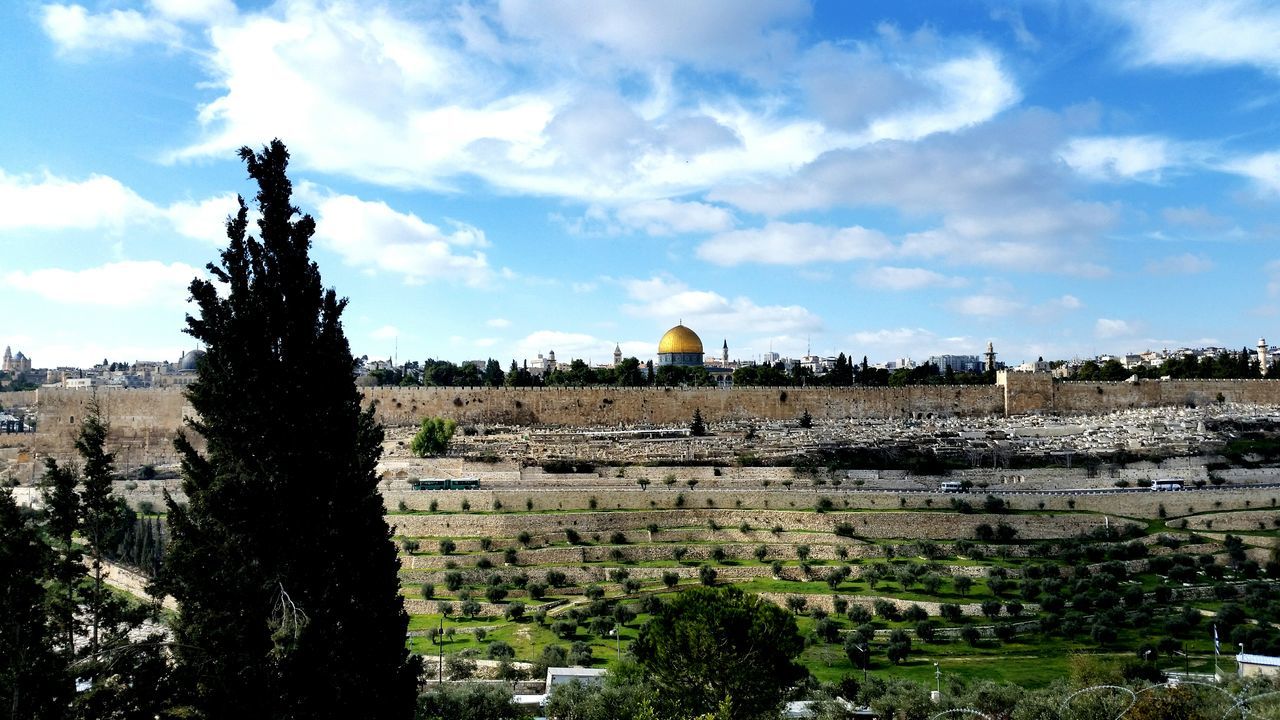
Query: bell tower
[1263, 356]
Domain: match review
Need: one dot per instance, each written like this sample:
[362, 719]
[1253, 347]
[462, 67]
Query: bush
[707, 575]
[447, 546]
[499, 650]
[514, 611]
[453, 580]
[433, 437]
[670, 579]
[428, 591]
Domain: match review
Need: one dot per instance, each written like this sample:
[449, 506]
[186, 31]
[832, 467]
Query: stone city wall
[18, 399]
[666, 406]
[146, 420]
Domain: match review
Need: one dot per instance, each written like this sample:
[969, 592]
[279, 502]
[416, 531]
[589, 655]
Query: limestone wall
[1099, 397]
[143, 422]
[660, 406]
[936, 526]
[21, 398]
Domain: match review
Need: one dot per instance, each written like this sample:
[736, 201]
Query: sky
[502, 179]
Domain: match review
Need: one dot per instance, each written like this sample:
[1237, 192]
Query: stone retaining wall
[935, 526]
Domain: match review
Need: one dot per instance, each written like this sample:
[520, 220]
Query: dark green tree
[711, 646]
[282, 562]
[697, 428]
[62, 519]
[493, 375]
[34, 683]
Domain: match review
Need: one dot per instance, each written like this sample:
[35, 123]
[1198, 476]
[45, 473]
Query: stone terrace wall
[936, 526]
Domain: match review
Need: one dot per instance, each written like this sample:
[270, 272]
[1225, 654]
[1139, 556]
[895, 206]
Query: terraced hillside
[884, 575]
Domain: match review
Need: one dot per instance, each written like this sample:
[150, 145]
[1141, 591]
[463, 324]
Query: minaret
[1263, 356]
[991, 358]
[724, 354]
[8, 359]
[617, 354]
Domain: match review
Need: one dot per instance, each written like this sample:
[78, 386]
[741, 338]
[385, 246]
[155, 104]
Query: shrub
[707, 575]
[433, 437]
[670, 579]
[447, 546]
[514, 611]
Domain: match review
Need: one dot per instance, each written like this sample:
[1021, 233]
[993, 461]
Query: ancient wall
[145, 421]
[1026, 393]
[665, 406]
[1099, 397]
[21, 398]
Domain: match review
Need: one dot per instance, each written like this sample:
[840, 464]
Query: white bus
[1167, 485]
[951, 486]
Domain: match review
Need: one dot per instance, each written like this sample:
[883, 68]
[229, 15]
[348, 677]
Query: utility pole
[440, 645]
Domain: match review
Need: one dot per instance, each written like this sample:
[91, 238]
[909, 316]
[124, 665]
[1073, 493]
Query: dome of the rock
[680, 346]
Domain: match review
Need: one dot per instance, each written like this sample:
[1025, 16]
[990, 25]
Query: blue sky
[498, 179]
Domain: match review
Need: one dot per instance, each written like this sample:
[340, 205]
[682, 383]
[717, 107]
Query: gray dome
[189, 360]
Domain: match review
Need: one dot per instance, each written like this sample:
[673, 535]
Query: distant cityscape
[679, 349]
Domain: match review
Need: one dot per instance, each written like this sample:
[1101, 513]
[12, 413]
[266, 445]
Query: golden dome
[680, 339]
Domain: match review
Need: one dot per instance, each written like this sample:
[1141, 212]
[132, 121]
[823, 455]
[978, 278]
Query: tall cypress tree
[282, 561]
[33, 681]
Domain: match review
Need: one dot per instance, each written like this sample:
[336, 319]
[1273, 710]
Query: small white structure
[1248, 665]
[561, 675]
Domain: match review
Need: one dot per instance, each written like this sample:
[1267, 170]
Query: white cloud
[986, 305]
[903, 342]
[668, 217]
[131, 283]
[968, 90]
[779, 243]
[721, 34]
[195, 10]
[1263, 169]
[907, 278]
[49, 202]
[372, 235]
[498, 322]
[204, 220]
[386, 332]
[1184, 264]
[668, 300]
[1001, 196]
[1202, 33]
[1107, 328]
[904, 90]
[1133, 157]
[564, 99]
[74, 29]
